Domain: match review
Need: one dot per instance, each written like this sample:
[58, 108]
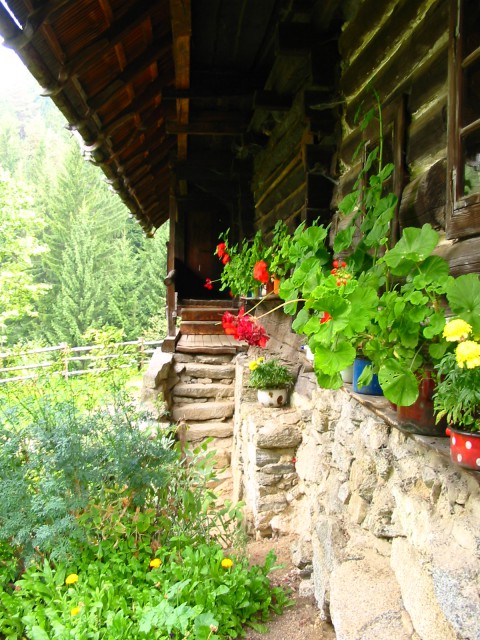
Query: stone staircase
[204, 317]
[203, 398]
[203, 401]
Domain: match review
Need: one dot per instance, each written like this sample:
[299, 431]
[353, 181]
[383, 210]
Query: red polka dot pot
[465, 448]
[272, 397]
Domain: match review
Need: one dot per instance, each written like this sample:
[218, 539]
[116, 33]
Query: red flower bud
[344, 264]
[335, 264]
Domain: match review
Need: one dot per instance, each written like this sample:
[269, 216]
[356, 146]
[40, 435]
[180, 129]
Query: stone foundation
[388, 526]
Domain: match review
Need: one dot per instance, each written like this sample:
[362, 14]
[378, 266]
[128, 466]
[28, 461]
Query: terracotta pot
[272, 397]
[269, 287]
[372, 389]
[464, 448]
[276, 285]
[419, 417]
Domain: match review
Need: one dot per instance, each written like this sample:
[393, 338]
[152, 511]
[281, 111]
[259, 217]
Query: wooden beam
[8, 29]
[114, 35]
[202, 93]
[205, 128]
[272, 101]
[181, 15]
[150, 56]
[293, 39]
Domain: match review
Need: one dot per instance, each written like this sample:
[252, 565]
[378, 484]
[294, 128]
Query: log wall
[400, 47]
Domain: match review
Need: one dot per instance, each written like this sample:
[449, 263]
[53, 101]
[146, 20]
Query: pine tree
[153, 258]
[80, 301]
[123, 307]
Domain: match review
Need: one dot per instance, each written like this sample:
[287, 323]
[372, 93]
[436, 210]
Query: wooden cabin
[233, 114]
[220, 115]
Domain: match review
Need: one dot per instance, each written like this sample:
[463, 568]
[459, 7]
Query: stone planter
[464, 448]
[272, 397]
[419, 417]
[372, 389]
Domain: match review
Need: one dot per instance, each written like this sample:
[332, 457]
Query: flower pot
[419, 417]
[347, 374]
[272, 397]
[308, 353]
[372, 389]
[464, 448]
[276, 285]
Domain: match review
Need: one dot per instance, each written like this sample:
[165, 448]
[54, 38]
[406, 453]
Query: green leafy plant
[269, 374]
[110, 531]
[239, 262]
[404, 336]
[457, 395]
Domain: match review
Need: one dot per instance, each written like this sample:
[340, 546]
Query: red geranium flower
[245, 327]
[260, 272]
[226, 258]
[221, 249]
[325, 318]
[208, 284]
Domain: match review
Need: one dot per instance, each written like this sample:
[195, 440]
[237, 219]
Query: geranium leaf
[463, 295]
[298, 325]
[343, 239]
[327, 381]
[333, 359]
[349, 202]
[414, 246]
[399, 384]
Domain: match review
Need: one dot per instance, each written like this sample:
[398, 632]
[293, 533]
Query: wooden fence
[69, 361]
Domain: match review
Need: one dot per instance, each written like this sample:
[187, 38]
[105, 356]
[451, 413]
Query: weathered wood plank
[424, 199]
[392, 75]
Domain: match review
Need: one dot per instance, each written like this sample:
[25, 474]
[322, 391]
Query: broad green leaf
[363, 308]
[349, 202]
[432, 271]
[463, 295]
[437, 351]
[414, 246]
[343, 239]
[399, 384]
[332, 359]
[37, 633]
[326, 381]
[302, 318]
[435, 325]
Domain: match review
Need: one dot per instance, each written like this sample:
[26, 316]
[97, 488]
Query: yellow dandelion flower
[227, 563]
[253, 365]
[155, 563]
[456, 330]
[260, 360]
[467, 354]
[71, 579]
[74, 611]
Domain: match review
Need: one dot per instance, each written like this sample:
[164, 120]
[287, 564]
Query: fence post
[141, 348]
[66, 352]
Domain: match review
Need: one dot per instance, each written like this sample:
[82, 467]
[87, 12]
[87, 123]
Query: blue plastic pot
[372, 389]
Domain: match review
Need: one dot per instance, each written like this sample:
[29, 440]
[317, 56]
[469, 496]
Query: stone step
[211, 371]
[203, 411]
[203, 390]
[201, 430]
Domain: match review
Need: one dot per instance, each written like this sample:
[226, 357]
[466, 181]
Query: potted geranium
[457, 395]
[272, 381]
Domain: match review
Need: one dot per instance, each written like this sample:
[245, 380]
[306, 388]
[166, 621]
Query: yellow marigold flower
[227, 563]
[253, 365]
[71, 579]
[467, 354]
[155, 563]
[456, 330]
[75, 611]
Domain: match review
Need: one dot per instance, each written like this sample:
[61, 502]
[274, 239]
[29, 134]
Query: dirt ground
[300, 621]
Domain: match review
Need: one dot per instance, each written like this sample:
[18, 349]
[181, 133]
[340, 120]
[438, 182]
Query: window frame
[463, 212]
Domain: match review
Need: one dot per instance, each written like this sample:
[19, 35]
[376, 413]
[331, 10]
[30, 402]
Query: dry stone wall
[389, 528]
